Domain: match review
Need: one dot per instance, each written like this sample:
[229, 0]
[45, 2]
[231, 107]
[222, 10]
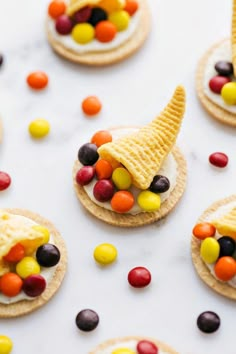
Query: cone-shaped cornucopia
[143, 152]
[226, 224]
[76, 5]
[233, 36]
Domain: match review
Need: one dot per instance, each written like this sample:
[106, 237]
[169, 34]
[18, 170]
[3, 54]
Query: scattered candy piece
[34, 285]
[97, 16]
[87, 320]
[131, 7]
[101, 137]
[120, 19]
[83, 15]
[146, 347]
[27, 266]
[103, 190]
[227, 246]
[225, 268]
[1, 59]
[204, 230]
[160, 184]
[210, 250]
[122, 201]
[105, 253]
[5, 180]
[48, 255]
[6, 345]
[83, 33]
[228, 93]
[224, 68]
[37, 80]
[217, 82]
[105, 31]
[15, 254]
[103, 169]
[121, 178]
[39, 128]
[208, 322]
[44, 231]
[123, 351]
[149, 201]
[139, 277]
[63, 25]
[91, 105]
[219, 159]
[111, 6]
[85, 175]
[56, 8]
[87, 154]
[11, 284]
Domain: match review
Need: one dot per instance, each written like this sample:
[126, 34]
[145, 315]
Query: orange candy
[11, 284]
[105, 31]
[204, 230]
[131, 7]
[122, 201]
[225, 268]
[101, 137]
[103, 169]
[37, 80]
[15, 254]
[56, 8]
[91, 105]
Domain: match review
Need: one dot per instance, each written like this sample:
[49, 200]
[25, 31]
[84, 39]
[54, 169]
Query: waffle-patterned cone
[143, 153]
[75, 5]
[233, 36]
[226, 224]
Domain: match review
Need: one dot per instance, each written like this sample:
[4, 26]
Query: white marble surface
[132, 92]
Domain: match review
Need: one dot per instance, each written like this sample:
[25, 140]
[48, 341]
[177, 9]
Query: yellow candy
[83, 33]
[228, 93]
[123, 351]
[105, 253]
[149, 201]
[111, 5]
[27, 266]
[6, 345]
[210, 250]
[44, 231]
[121, 178]
[39, 128]
[120, 19]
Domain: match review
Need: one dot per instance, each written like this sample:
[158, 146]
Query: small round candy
[91, 105]
[34, 285]
[217, 82]
[160, 184]
[121, 178]
[6, 345]
[103, 169]
[56, 8]
[103, 190]
[123, 351]
[10, 284]
[83, 33]
[210, 250]
[204, 230]
[146, 347]
[105, 31]
[1, 59]
[225, 268]
[227, 246]
[131, 7]
[139, 277]
[120, 19]
[105, 253]
[208, 322]
[48, 255]
[44, 231]
[228, 93]
[27, 266]
[83, 14]
[88, 155]
[122, 201]
[5, 180]
[97, 16]
[39, 128]
[101, 137]
[219, 159]
[110, 6]
[15, 254]
[149, 201]
[85, 175]
[87, 320]
[63, 25]
[224, 68]
[37, 80]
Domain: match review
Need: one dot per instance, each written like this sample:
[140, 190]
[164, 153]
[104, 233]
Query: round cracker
[26, 306]
[144, 218]
[201, 268]
[105, 346]
[213, 109]
[110, 56]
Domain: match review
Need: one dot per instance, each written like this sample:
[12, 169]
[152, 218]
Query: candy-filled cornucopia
[130, 176]
[215, 80]
[214, 247]
[133, 345]
[33, 262]
[97, 32]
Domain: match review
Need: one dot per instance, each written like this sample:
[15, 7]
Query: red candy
[146, 347]
[64, 25]
[139, 277]
[34, 285]
[5, 181]
[85, 175]
[83, 14]
[217, 82]
[103, 190]
[218, 159]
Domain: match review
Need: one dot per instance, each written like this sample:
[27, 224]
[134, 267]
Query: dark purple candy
[208, 322]
[227, 246]
[88, 155]
[34, 285]
[160, 184]
[224, 68]
[48, 255]
[87, 320]
[97, 16]
[1, 59]
[83, 15]
[64, 25]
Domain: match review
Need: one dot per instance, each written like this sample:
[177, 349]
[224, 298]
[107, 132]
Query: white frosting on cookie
[222, 52]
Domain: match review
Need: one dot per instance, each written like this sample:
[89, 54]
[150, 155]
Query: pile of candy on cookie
[102, 20]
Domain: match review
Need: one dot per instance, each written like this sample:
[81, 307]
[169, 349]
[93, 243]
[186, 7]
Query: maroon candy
[5, 180]
[139, 277]
[34, 285]
[104, 190]
[64, 25]
[85, 175]
[219, 159]
[146, 347]
[217, 82]
[83, 15]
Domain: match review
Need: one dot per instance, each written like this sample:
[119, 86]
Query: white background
[132, 92]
